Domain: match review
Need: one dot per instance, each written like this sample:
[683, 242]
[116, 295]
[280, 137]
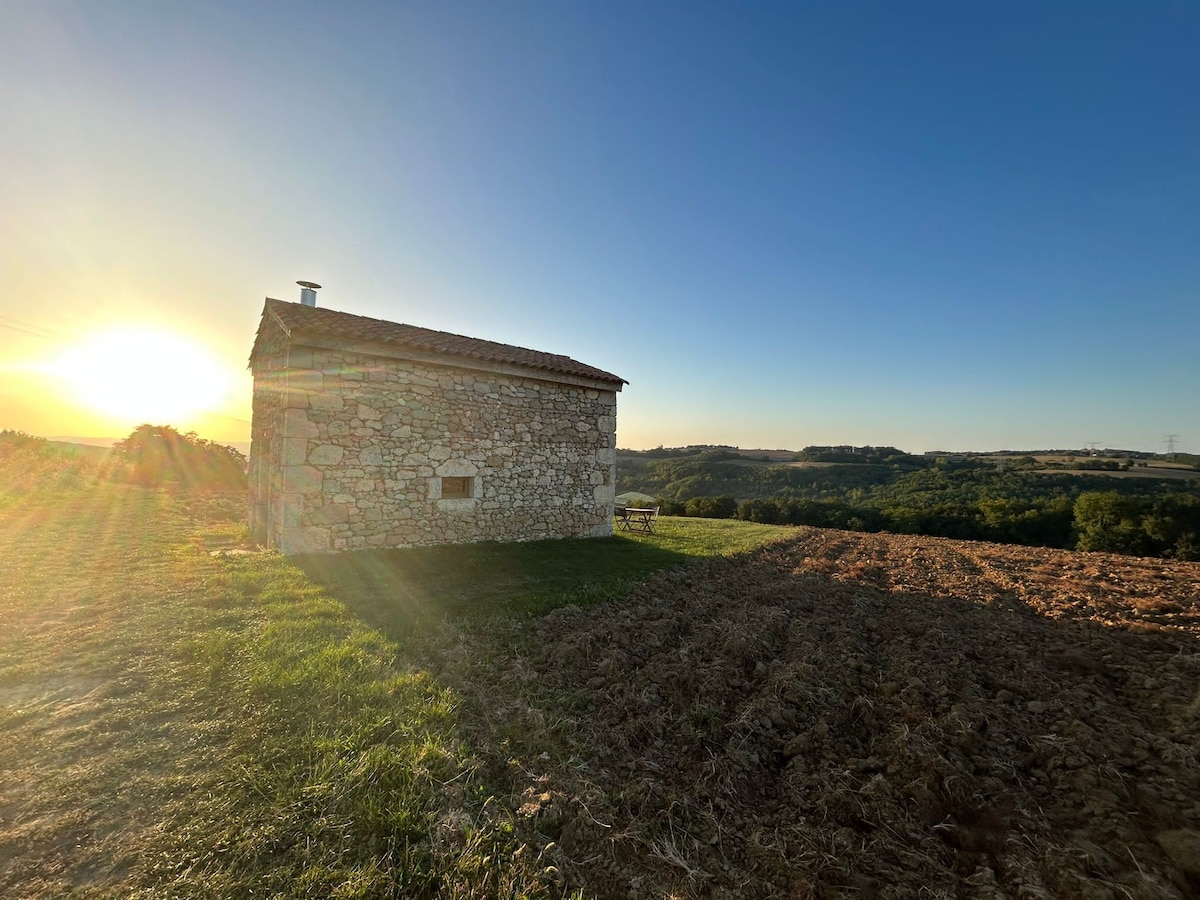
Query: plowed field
[856, 715]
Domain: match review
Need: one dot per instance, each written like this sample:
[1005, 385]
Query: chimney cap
[311, 285]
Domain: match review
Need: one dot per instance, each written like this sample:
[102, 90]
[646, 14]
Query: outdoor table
[637, 519]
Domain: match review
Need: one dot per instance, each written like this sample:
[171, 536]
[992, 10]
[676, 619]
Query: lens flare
[142, 375]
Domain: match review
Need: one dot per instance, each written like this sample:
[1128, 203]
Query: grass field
[174, 723]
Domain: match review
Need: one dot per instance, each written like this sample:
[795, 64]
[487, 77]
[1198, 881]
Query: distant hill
[1141, 506]
[77, 439]
[94, 453]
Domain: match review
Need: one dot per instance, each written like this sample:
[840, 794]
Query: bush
[31, 465]
[669, 507]
[158, 455]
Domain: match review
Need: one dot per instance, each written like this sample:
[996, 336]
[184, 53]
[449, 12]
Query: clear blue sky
[934, 225]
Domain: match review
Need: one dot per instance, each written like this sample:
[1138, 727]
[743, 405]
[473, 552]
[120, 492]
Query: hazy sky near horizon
[932, 225]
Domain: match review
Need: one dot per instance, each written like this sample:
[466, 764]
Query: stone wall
[266, 431]
[356, 447]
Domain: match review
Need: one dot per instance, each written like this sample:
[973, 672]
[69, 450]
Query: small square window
[456, 488]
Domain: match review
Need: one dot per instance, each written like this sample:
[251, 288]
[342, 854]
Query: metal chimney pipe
[308, 292]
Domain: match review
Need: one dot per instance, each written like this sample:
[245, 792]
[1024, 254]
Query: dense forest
[1069, 502]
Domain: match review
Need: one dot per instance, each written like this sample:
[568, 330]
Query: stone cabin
[370, 434]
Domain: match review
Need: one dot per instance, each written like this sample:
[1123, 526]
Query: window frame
[467, 483]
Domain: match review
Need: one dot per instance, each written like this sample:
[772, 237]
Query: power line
[28, 328]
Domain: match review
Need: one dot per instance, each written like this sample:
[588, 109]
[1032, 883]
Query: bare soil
[856, 715]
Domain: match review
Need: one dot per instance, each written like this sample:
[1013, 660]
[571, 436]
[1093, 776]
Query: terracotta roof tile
[297, 318]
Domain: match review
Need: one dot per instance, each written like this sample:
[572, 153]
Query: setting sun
[143, 375]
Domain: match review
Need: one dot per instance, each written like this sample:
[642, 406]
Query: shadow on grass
[404, 591]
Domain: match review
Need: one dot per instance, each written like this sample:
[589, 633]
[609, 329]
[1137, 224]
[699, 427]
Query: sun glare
[142, 375]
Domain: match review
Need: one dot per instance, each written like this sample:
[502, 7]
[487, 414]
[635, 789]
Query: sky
[947, 225]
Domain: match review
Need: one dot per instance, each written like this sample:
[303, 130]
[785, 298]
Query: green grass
[178, 724]
[403, 592]
[713, 537]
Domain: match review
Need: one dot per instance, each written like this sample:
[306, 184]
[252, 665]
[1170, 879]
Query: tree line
[967, 499]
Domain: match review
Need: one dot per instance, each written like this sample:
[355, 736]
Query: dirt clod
[1183, 847]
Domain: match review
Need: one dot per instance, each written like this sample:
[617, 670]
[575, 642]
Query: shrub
[30, 465]
[669, 507]
[158, 454]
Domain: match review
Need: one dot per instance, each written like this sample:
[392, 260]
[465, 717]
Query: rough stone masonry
[356, 444]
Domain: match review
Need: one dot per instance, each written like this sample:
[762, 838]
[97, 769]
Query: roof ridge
[452, 334]
[337, 322]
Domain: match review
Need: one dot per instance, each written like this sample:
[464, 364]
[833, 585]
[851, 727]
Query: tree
[724, 507]
[158, 455]
[1174, 525]
[1109, 522]
[765, 511]
[668, 506]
